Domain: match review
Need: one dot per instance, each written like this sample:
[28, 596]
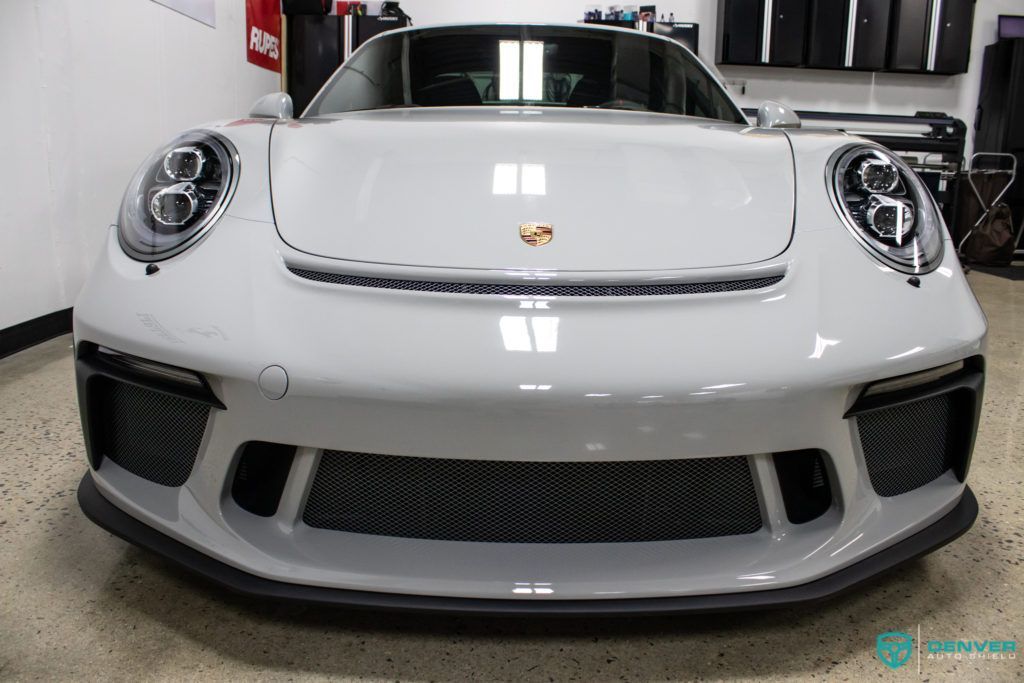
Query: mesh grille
[533, 502]
[540, 290]
[153, 435]
[907, 446]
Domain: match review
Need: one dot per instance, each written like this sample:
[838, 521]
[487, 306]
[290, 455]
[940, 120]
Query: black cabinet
[919, 36]
[952, 46]
[788, 32]
[318, 43]
[313, 52]
[869, 34]
[740, 31]
[826, 33]
[744, 39]
[999, 122]
[908, 45]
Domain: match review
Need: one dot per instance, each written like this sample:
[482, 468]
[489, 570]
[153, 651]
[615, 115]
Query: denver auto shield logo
[894, 648]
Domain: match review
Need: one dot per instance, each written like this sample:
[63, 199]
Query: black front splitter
[113, 519]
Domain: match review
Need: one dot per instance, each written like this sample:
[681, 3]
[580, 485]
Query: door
[741, 34]
[908, 43]
[789, 24]
[870, 34]
[953, 36]
[826, 33]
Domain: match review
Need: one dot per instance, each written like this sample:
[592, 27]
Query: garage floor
[77, 602]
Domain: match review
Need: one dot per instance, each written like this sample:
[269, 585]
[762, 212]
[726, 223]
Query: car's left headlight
[177, 195]
[886, 207]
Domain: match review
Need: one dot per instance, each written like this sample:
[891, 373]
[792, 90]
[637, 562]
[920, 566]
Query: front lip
[948, 528]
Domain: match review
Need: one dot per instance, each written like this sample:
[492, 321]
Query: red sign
[263, 33]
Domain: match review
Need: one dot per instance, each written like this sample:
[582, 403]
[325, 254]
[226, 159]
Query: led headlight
[887, 208]
[177, 195]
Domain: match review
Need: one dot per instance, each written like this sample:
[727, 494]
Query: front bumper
[950, 527]
[511, 379]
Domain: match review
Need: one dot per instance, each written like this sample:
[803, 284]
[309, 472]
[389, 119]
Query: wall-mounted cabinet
[919, 36]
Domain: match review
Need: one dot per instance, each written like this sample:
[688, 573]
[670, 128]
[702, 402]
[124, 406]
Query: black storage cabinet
[740, 31]
[999, 120]
[870, 34]
[826, 33]
[914, 36]
[908, 45]
[318, 43]
[953, 37]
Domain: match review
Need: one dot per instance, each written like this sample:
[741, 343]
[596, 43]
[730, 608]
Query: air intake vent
[149, 433]
[260, 476]
[908, 445]
[804, 481]
[533, 502]
[661, 289]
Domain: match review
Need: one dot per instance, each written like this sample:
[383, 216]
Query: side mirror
[276, 105]
[774, 115]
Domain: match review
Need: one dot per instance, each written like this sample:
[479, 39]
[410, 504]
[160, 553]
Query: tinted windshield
[525, 65]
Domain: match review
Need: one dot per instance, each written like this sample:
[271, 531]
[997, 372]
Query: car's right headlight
[177, 195]
[886, 207]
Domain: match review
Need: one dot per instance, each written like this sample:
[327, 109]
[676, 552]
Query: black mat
[1014, 272]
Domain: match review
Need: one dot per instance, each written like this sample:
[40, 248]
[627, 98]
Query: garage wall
[90, 89]
[800, 88]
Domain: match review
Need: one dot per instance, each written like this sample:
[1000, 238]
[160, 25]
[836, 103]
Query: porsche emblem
[536, 234]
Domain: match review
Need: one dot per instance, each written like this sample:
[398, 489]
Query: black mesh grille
[151, 434]
[533, 502]
[540, 290]
[907, 446]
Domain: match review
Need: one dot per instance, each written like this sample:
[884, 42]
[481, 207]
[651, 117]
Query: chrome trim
[851, 32]
[933, 34]
[766, 31]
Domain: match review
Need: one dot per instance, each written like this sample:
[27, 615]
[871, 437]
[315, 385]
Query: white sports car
[528, 319]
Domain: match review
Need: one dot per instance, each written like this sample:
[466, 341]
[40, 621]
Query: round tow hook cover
[273, 382]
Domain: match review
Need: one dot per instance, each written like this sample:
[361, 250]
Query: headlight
[177, 195]
[887, 208]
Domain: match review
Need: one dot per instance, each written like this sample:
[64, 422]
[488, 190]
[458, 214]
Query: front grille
[664, 289]
[908, 445]
[152, 434]
[533, 502]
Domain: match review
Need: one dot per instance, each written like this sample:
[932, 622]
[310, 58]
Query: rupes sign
[263, 33]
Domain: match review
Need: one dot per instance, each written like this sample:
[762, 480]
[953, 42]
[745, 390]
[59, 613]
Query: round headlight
[177, 195]
[887, 208]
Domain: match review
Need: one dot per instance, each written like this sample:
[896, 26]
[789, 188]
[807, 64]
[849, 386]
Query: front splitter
[105, 514]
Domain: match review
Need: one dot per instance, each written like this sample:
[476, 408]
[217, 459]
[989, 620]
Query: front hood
[450, 187]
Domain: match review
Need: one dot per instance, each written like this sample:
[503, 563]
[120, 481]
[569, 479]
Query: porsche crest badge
[536, 234]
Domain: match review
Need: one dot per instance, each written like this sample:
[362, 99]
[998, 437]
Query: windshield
[525, 65]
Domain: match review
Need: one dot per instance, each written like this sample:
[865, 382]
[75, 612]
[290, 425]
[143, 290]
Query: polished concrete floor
[78, 603]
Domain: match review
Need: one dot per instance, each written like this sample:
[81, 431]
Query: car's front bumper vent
[151, 434]
[545, 290]
[147, 417]
[914, 434]
[533, 502]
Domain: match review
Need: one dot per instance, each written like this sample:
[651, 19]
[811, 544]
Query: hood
[449, 188]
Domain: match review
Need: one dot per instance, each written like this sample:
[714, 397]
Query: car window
[528, 65]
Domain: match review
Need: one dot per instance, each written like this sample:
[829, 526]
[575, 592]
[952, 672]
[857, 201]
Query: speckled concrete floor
[78, 603]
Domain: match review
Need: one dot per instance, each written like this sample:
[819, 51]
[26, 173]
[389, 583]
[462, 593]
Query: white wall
[90, 88]
[810, 89]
